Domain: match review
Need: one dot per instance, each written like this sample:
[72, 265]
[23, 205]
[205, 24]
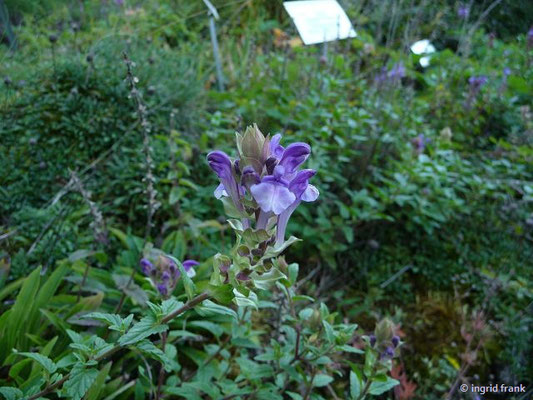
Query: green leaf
[17, 322]
[147, 326]
[275, 251]
[377, 388]
[322, 380]
[222, 294]
[170, 305]
[10, 393]
[356, 383]
[133, 290]
[350, 349]
[47, 364]
[211, 307]
[293, 273]
[245, 301]
[370, 360]
[253, 238]
[80, 381]
[265, 280]
[175, 195]
[330, 333]
[188, 284]
[97, 386]
[306, 313]
[115, 321]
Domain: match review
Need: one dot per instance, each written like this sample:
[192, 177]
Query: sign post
[213, 15]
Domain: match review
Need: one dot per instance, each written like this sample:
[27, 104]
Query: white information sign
[320, 21]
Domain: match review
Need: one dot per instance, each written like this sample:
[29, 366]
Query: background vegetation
[426, 179]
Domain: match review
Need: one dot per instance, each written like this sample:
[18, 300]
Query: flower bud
[395, 341]
[384, 331]
[251, 145]
[372, 340]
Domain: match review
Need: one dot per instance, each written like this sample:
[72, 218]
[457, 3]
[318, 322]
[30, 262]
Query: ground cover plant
[340, 222]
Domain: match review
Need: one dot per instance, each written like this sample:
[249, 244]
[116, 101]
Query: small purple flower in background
[381, 77]
[492, 36]
[463, 11]
[397, 72]
[420, 143]
[268, 184]
[530, 38]
[392, 76]
[163, 271]
[506, 72]
[476, 82]
[119, 2]
[475, 85]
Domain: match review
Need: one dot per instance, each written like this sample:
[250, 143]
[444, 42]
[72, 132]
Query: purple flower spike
[221, 164]
[294, 155]
[146, 266]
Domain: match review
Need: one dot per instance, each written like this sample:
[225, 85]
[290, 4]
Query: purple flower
[146, 266]
[373, 340]
[221, 164]
[395, 341]
[249, 177]
[506, 71]
[269, 174]
[397, 72]
[476, 82]
[420, 143]
[463, 11]
[387, 354]
[530, 37]
[276, 150]
[302, 191]
[119, 2]
[273, 194]
[294, 156]
[381, 78]
[188, 267]
[162, 288]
